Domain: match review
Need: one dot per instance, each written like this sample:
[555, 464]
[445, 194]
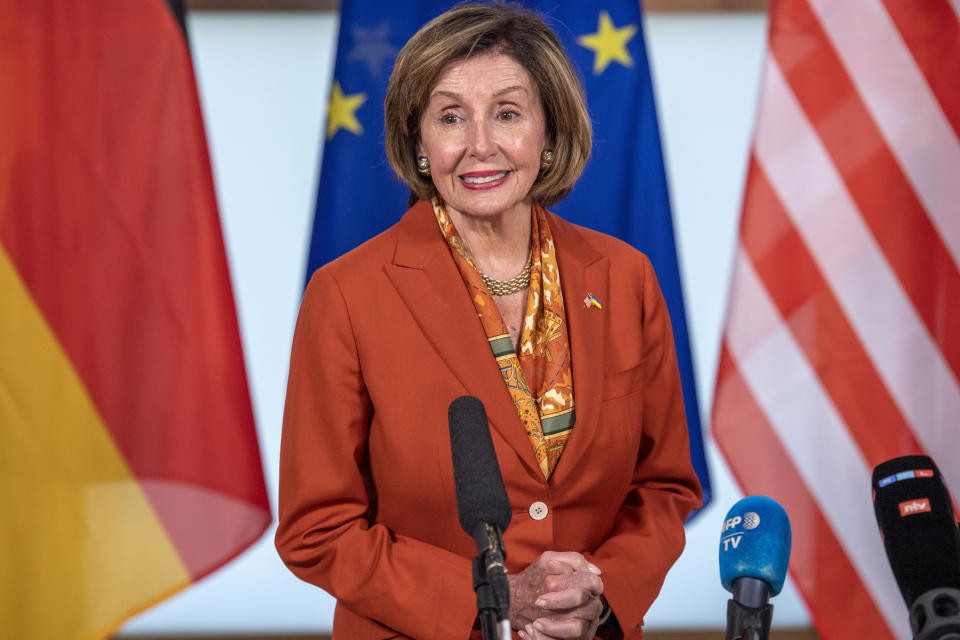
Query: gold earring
[546, 159]
[423, 166]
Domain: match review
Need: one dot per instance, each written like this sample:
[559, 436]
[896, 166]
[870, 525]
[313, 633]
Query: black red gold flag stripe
[129, 463]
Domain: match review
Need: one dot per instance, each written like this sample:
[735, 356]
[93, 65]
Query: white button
[538, 511]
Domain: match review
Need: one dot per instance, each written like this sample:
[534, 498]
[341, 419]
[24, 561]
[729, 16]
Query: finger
[558, 567]
[572, 559]
[578, 579]
[566, 599]
[532, 633]
[590, 610]
[569, 628]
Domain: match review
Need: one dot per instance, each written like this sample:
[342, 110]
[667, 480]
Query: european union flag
[623, 191]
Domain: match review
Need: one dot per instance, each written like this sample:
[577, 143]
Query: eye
[449, 118]
[508, 115]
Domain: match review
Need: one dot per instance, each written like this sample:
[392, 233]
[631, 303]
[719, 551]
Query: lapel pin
[591, 301]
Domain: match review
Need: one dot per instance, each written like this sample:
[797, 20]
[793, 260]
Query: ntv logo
[911, 507]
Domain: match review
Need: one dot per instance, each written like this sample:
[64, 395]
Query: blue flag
[623, 191]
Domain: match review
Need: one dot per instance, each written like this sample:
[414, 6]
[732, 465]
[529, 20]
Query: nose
[482, 143]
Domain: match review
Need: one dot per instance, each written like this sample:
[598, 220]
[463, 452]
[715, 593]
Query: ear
[420, 150]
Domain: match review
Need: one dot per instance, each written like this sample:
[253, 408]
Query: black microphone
[916, 520]
[754, 554]
[483, 509]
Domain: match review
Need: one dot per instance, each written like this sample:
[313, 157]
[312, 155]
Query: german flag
[129, 464]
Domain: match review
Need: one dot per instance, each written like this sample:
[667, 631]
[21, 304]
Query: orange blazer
[386, 338]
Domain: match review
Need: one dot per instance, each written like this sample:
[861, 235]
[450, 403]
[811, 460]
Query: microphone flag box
[915, 516]
[755, 542]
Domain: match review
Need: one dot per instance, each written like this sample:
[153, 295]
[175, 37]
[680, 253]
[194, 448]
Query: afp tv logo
[750, 520]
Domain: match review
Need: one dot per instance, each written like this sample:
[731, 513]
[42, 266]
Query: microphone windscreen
[916, 521]
[755, 543]
[481, 496]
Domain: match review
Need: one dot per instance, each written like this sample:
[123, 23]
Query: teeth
[484, 179]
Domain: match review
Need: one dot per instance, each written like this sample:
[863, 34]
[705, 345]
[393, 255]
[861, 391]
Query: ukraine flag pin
[591, 301]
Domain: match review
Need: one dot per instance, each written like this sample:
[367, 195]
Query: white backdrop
[263, 81]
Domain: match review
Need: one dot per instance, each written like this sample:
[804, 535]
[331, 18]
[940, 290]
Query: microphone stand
[486, 607]
[749, 612]
[935, 615]
[490, 584]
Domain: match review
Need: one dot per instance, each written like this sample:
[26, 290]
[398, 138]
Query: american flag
[841, 347]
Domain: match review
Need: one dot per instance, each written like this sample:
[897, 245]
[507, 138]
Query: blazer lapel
[583, 271]
[428, 281]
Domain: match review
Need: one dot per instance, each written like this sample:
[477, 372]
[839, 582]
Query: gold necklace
[505, 287]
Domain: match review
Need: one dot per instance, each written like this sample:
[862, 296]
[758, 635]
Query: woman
[560, 331]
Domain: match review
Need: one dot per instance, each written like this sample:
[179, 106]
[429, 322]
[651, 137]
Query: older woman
[561, 332]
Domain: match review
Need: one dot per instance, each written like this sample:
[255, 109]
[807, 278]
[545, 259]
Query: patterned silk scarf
[540, 380]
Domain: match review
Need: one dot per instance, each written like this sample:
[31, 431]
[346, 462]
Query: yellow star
[341, 112]
[609, 44]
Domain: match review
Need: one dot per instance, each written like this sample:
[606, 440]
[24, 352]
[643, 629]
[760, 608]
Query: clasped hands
[556, 596]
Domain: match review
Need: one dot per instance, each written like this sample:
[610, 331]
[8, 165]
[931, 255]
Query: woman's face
[483, 131]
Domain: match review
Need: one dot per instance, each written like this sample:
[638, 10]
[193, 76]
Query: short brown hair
[469, 29]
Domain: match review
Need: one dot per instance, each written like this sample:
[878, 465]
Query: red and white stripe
[842, 340]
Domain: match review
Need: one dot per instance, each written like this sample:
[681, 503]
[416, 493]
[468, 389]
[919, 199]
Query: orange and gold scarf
[540, 380]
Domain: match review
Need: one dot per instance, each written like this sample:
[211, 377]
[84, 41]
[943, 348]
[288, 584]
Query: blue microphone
[754, 554]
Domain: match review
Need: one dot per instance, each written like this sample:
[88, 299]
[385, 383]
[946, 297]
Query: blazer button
[538, 510]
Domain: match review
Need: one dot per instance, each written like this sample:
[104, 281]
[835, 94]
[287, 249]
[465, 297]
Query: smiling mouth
[484, 178]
